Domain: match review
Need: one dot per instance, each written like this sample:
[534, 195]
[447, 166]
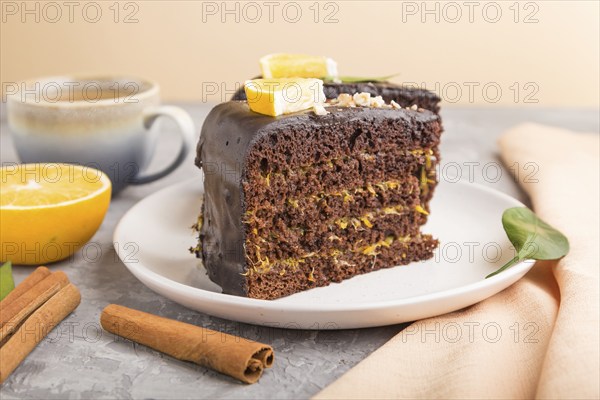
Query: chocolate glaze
[227, 138]
[406, 96]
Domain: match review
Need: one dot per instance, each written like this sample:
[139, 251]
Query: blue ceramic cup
[101, 122]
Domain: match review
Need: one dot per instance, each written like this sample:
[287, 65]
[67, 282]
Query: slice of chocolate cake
[405, 96]
[303, 200]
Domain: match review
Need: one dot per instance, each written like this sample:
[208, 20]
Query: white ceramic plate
[153, 238]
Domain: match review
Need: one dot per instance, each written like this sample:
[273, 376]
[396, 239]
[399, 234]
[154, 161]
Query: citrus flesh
[49, 211]
[297, 66]
[284, 95]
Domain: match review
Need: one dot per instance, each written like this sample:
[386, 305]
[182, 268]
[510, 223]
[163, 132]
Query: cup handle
[186, 130]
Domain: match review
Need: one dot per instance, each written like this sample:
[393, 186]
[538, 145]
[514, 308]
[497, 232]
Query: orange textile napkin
[538, 338]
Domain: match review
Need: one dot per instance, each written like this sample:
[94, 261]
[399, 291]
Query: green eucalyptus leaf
[7, 284]
[358, 79]
[532, 237]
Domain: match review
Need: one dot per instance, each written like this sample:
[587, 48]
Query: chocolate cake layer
[293, 242]
[326, 207]
[271, 227]
[283, 280]
[386, 173]
[406, 96]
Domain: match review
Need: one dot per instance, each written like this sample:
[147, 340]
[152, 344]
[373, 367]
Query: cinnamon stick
[36, 276]
[231, 355]
[16, 311]
[40, 323]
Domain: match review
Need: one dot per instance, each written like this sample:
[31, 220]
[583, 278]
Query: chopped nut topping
[345, 100]
[377, 102]
[362, 99]
[319, 109]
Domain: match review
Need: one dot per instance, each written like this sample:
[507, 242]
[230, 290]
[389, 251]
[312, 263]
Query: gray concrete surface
[78, 360]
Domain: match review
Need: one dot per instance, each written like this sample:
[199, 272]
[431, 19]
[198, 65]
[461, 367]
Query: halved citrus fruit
[49, 211]
[283, 96]
[297, 66]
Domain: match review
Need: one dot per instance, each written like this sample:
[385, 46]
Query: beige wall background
[503, 53]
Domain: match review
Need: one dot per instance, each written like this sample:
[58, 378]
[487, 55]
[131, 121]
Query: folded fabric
[538, 338]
